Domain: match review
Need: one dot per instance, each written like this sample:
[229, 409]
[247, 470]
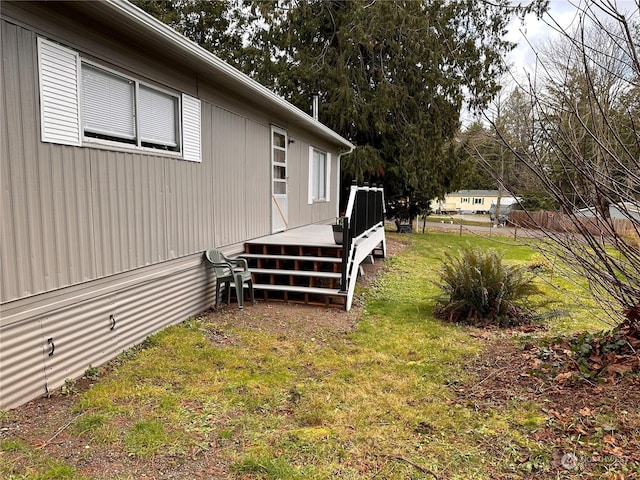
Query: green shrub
[480, 289]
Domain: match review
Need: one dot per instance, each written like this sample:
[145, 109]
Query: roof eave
[223, 69]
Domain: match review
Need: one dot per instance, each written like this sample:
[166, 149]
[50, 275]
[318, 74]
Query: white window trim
[327, 180]
[61, 115]
[137, 83]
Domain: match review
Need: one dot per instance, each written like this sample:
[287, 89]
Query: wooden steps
[297, 273]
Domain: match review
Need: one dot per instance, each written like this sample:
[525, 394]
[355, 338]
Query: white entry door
[279, 202]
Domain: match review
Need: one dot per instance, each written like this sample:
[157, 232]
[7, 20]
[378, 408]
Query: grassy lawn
[379, 402]
[473, 220]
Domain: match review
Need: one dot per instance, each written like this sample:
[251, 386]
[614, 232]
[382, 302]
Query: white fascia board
[190, 48]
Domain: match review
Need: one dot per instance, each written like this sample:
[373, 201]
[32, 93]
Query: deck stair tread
[300, 289]
[303, 258]
[301, 273]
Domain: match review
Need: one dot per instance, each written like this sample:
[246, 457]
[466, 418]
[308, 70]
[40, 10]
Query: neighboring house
[127, 150]
[469, 201]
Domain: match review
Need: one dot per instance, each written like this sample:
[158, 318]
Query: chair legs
[239, 284]
[227, 289]
[240, 281]
[239, 291]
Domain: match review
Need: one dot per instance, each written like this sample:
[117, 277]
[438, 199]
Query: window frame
[60, 85]
[137, 144]
[313, 181]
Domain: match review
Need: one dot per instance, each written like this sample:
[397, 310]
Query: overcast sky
[536, 32]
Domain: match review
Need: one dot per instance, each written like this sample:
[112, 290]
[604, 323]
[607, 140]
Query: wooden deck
[304, 265]
[309, 235]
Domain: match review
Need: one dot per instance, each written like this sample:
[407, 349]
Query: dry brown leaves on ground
[591, 424]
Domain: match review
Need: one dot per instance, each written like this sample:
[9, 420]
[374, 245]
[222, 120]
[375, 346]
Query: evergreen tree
[392, 76]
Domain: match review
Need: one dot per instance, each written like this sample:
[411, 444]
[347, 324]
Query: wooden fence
[560, 222]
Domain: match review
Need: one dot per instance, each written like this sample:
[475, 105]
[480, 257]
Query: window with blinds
[81, 102]
[158, 118]
[119, 109]
[108, 105]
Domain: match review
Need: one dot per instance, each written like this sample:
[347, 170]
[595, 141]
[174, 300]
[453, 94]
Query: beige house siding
[92, 233]
[466, 201]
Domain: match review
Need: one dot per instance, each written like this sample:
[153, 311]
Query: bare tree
[583, 146]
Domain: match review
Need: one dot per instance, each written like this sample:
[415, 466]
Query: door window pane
[279, 140]
[279, 173]
[279, 188]
[279, 156]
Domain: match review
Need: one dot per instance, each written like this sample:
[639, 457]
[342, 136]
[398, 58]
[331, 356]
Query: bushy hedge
[478, 288]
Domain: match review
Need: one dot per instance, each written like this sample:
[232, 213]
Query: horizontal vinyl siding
[82, 336]
[82, 333]
[22, 354]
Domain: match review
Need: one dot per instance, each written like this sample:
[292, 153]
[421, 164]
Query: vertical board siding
[11, 280]
[14, 225]
[185, 208]
[229, 176]
[76, 214]
[257, 182]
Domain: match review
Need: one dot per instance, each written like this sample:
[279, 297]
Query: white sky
[536, 32]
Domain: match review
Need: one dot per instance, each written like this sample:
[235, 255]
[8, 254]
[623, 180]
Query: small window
[465, 200]
[478, 201]
[319, 168]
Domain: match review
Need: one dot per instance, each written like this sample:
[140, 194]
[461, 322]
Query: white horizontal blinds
[158, 117]
[191, 129]
[59, 105]
[108, 104]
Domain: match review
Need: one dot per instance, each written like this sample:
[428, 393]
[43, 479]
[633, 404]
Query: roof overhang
[125, 17]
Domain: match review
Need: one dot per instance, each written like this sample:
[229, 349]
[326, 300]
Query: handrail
[365, 211]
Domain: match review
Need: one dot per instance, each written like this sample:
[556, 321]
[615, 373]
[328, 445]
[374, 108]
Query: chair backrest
[216, 257]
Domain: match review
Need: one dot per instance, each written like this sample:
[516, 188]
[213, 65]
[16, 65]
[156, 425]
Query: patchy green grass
[471, 220]
[16, 453]
[380, 403]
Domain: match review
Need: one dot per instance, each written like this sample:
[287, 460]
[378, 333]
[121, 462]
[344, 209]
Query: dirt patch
[46, 424]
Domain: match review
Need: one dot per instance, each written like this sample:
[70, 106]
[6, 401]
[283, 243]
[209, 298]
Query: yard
[384, 391]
